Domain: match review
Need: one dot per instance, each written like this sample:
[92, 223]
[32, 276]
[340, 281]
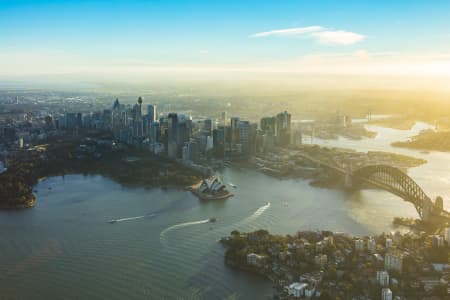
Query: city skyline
[136, 38]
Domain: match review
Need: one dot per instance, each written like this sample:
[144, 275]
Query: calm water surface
[162, 247]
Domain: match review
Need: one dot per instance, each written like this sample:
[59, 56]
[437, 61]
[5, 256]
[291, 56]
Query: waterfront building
[393, 261]
[214, 185]
[386, 294]
[254, 259]
[297, 289]
[383, 278]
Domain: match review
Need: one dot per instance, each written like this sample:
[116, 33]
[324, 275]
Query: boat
[232, 185]
[212, 220]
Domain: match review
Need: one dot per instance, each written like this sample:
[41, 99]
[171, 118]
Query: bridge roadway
[425, 202]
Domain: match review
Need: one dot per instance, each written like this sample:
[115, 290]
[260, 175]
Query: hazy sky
[131, 37]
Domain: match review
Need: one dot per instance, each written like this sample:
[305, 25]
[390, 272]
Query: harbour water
[163, 245]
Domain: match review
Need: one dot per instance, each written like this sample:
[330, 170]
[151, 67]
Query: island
[330, 265]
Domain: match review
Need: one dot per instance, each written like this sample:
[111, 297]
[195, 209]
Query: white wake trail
[258, 212]
[131, 218]
[163, 233]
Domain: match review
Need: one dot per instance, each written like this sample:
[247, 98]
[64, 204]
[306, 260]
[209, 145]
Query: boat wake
[258, 212]
[163, 233]
[149, 215]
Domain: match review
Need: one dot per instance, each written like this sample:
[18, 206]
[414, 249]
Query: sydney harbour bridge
[393, 180]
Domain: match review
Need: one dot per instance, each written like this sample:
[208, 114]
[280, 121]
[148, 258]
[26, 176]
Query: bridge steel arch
[395, 181]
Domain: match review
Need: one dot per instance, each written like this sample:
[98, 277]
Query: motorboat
[212, 220]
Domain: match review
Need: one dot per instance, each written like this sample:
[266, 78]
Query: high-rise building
[208, 127]
[372, 245]
[269, 125]
[359, 245]
[71, 120]
[152, 113]
[447, 235]
[388, 243]
[393, 261]
[107, 119]
[219, 142]
[437, 241]
[224, 118]
[244, 136]
[386, 294]
[234, 131]
[179, 131]
[283, 128]
[383, 278]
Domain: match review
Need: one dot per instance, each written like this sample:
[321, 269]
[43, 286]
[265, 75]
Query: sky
[308, 37]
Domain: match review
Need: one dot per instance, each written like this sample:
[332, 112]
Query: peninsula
[125, 164]
[328, 265]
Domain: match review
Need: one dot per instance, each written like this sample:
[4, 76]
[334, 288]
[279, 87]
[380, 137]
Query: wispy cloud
[338, 37]
[288, 32]
[319, 33]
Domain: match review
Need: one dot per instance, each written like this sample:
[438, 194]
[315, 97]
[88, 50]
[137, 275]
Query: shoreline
[18, 182]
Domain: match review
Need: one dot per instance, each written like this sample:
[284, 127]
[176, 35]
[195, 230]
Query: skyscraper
[151, 113]
[283, 128]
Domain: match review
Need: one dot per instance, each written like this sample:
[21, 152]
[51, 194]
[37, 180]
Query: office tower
[219, 142]
[383, 278]
[269, 125]
[386, 294]
[393, 261]
[283, 128]
[208, 127]
[224, 118]
[151, 113]
[107, 119]
[234, 131]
